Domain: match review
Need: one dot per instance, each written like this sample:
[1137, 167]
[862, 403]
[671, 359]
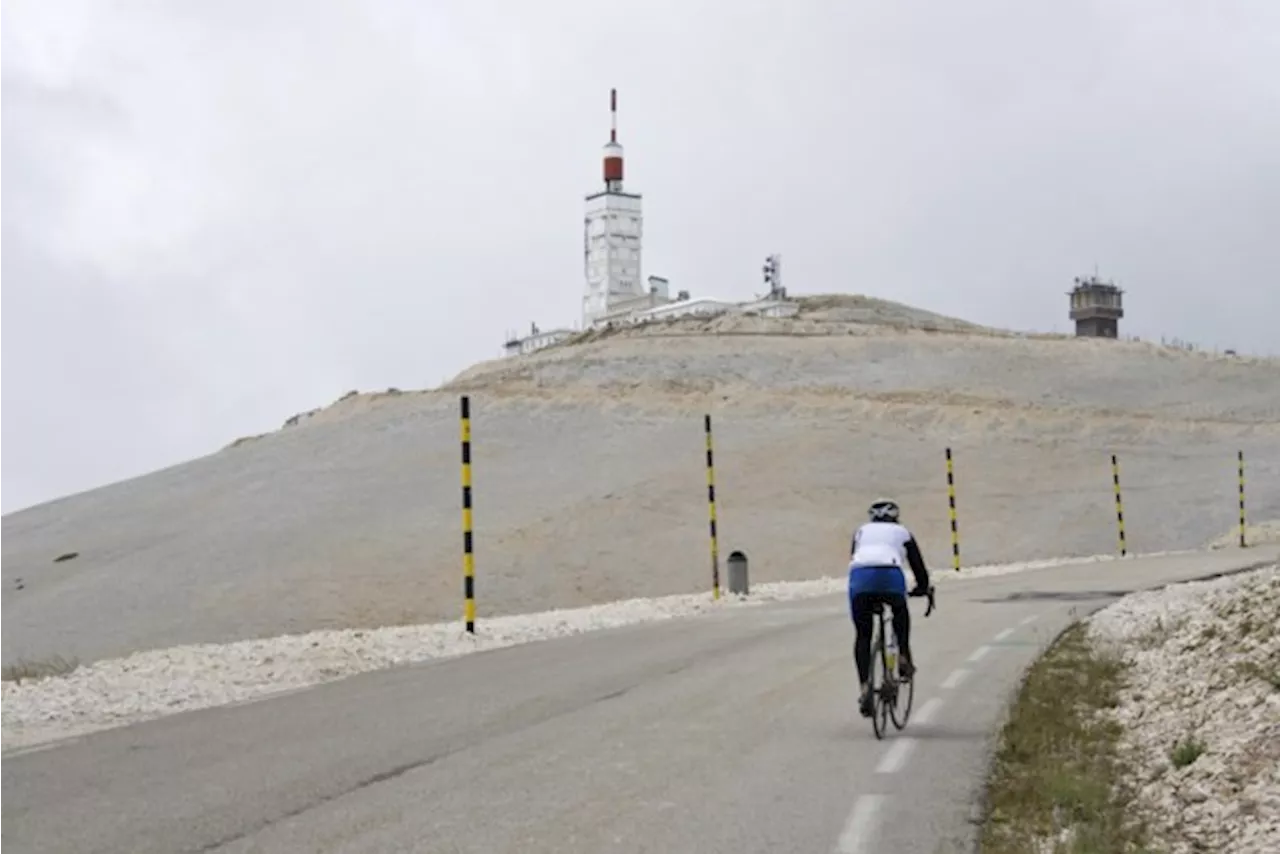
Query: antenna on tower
[773, 277]
[612, 149]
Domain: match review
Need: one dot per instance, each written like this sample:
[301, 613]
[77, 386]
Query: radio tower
[613, 229]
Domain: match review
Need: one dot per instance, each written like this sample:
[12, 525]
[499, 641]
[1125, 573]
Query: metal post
[711, 503]
[1240, 459]
[951, 501]
[1115, 479]
[468, 555]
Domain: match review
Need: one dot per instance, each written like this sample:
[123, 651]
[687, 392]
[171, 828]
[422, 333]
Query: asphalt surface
[733, 732]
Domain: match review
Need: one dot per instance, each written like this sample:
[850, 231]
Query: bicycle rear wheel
[900, 708]
[880, 682]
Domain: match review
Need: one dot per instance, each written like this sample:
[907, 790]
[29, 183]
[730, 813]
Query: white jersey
[881, 544]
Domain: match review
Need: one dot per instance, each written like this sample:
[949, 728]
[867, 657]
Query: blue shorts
[876, 579]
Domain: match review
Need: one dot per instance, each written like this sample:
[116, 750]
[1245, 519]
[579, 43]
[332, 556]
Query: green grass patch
[31, 670]
[1056, 783]
[1186, 751]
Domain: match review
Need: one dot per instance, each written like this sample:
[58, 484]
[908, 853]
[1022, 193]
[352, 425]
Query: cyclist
[880, 549]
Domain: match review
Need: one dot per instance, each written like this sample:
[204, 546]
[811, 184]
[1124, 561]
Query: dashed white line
[927, 711]
[1026, 621]
[979, 653]
[896, 756]
[860, 825]
[1002, 635]
[954, 679]
[900, 750]
[898, 753]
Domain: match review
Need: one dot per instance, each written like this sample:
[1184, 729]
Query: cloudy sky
[216, 215]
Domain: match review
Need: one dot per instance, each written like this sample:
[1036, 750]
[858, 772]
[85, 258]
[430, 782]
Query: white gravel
[1205, 660]
[1254, 535]
[156, 683]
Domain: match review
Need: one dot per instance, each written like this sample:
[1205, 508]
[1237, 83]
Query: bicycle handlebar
[930, 594]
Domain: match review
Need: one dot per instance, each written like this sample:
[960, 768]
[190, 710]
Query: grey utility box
[738, 574]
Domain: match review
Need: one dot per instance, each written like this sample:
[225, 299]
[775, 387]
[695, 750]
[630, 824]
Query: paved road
[726, 733]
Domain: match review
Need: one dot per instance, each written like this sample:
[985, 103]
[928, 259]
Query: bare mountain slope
[590, 485]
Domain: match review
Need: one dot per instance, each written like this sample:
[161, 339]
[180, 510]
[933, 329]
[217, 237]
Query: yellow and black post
[1115, 479]
[951, 503]
[468, 556]
[711, 503]
[1240, 460]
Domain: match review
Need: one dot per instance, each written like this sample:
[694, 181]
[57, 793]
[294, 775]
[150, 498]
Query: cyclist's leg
[860, 610]
[902, 628]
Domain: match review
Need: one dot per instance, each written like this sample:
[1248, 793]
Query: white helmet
[883, 510]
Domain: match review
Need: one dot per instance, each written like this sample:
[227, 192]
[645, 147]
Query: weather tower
[612, 234]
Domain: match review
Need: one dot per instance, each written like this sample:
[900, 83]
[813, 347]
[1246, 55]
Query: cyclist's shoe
[864, 702]
[906, 669]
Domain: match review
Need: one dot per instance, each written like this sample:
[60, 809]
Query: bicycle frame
[884, 647]
[891, 644]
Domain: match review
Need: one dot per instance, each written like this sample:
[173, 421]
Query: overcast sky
[218, 214]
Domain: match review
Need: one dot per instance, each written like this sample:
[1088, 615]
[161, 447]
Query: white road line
[898, 753]
[32, 748]
[860, 825]
[927, 711]
[1026, 621]
[896, 756]
[1002, 635]
[955, 678]
[979, 653]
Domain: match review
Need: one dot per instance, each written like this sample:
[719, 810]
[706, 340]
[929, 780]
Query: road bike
[889, 692]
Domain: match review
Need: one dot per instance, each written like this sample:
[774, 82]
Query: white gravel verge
[1255, 535]
[1204, 666]
[156, 683]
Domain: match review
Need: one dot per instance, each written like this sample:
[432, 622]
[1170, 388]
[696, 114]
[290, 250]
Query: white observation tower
[612, 232]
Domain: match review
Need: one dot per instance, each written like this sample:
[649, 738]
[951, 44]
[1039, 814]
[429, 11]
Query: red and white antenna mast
[613, 150]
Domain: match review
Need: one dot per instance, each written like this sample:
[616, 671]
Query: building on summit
[1096, 307]
[615, 293]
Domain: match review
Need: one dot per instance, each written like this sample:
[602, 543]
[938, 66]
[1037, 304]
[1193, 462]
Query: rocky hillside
[590, 486]
[1202, 755]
